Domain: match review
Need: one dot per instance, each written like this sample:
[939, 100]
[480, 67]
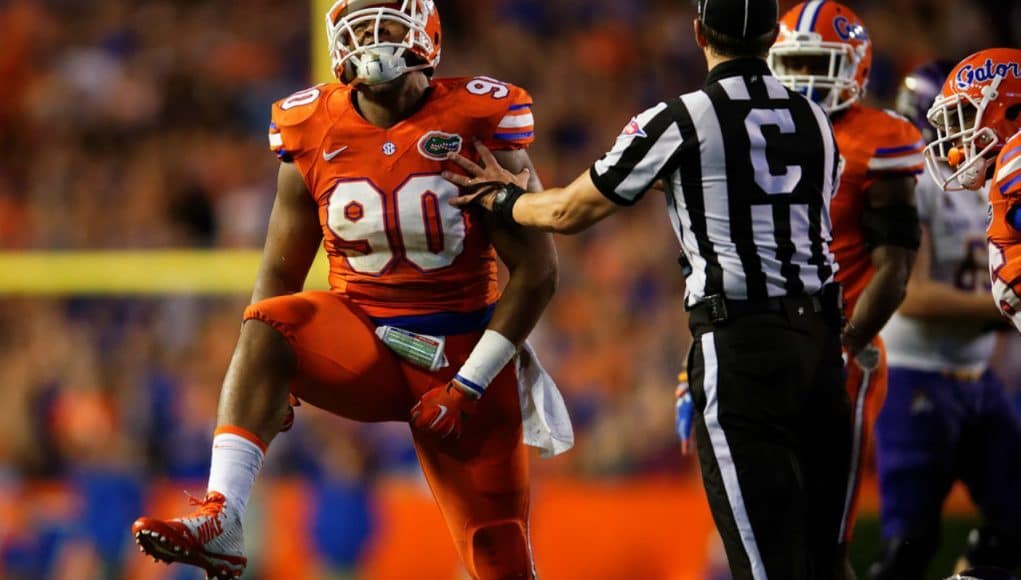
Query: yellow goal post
[156, 272]
[321, 69]
[144, 272]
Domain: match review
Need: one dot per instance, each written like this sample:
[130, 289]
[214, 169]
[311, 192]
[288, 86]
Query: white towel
[544, 416]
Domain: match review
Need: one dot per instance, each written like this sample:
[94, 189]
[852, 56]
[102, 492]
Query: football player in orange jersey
[978, 119]
[977, 116]
[1005, 230]
[824, 52]
[414, 327]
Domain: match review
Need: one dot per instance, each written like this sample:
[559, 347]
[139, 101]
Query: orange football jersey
[873, 144]
[1004, 240]
[395, 246]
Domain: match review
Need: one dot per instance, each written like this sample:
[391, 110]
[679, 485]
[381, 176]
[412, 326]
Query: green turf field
[866, 545]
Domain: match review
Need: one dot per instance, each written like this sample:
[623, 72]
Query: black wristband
[504, 200]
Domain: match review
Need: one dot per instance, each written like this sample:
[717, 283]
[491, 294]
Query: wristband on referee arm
[487, 359]
[504, 200]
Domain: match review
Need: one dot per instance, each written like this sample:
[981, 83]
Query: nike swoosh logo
[329, 156]
[443, 413]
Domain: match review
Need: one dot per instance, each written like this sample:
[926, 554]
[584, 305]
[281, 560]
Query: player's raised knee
[500, 551]
[283, 313]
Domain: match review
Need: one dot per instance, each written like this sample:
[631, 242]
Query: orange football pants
[866, 389]
[479, 481]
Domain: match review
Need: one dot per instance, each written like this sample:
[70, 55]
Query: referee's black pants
[774, 440]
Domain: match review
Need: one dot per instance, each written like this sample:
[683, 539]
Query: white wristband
[487, 359]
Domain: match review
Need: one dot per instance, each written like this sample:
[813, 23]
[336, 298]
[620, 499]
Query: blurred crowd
[141, 124]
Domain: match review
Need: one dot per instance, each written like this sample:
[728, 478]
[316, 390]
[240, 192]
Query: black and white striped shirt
[750, 168]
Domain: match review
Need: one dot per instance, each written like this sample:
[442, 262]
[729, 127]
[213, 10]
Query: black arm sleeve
[891, 225]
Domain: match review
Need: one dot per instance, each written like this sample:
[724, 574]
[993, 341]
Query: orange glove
[443, 410]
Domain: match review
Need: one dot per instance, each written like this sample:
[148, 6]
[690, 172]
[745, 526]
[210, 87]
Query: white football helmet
[977, 111]
[370, 59]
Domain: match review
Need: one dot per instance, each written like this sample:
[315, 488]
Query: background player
[824, 52]
[361, 170]
[978, 116]
[957, 425]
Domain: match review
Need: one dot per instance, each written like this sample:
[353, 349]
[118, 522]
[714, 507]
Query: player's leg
[341, 365]
[866, 391]
[917, 435]
[287, 342]
[480, 481]
[991, 468]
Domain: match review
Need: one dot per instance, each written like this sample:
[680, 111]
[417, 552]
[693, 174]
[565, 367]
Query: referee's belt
[716, 309]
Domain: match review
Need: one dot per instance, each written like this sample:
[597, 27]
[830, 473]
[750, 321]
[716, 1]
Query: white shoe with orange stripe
[210, 538]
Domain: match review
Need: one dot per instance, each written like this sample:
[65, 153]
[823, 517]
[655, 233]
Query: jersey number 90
[424, 229]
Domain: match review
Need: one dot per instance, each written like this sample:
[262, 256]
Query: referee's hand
[480, 181]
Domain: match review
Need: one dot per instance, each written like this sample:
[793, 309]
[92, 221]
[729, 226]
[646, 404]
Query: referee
[749, 169]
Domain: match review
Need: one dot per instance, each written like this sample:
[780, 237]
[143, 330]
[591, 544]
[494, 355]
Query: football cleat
[209, 538]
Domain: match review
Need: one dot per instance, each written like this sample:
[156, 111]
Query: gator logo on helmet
[436, 145]
[848, 30]
[986, 72]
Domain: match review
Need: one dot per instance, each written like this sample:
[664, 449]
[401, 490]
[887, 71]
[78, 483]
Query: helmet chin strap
[379, 65]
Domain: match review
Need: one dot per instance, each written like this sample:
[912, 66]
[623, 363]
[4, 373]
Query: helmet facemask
[830, 80]
[377, 57]
[962, 143]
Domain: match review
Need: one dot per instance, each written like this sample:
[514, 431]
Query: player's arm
[931, 299]
[565, 210]
[890, 224]
[531, 259]
[292, 240]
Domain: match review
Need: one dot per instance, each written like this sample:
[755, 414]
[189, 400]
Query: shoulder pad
[505, 108]
[484, 96]
[1007, 177]
[897, 145]
[296, 116]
